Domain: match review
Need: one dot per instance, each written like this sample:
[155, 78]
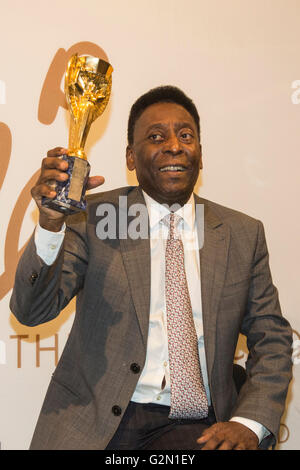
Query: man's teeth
[172, 168]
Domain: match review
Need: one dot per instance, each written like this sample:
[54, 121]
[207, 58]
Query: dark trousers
[147, 426]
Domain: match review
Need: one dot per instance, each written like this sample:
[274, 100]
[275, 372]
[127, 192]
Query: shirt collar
[158, 211]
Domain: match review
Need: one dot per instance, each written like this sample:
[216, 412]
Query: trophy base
[70, 194]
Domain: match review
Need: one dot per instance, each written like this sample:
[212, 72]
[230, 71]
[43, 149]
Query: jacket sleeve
[40, 291]
[269, 340]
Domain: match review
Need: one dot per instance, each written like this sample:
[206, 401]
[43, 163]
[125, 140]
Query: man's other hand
[228, 436]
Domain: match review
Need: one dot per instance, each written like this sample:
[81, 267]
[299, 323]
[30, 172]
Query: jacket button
[33, 278]
[116, 410]
[135, 368]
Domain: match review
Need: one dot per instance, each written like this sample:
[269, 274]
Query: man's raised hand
[54, 169]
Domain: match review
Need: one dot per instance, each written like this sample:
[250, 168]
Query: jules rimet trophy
[87, 88]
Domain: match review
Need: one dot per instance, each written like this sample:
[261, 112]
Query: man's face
[166, 153]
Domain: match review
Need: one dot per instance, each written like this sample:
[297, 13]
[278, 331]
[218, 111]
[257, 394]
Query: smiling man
[166, 153]
[149, 360]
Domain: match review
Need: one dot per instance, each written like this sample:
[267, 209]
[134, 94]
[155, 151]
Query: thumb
[95, 181]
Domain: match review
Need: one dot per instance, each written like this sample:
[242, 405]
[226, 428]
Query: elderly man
[149, 360]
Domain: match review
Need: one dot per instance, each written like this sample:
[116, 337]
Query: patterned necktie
[188, 396]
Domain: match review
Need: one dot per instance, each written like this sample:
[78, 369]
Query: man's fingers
[204, 439]
[53, 161]
[46, 184]
[56, 152]
[212, 443]
[208, 440]
[206, 435]
[49, 175]
[240, 447]
[227, 436]
[53, 171]
[95, 181]
[226, 445]
[49, 163]
[43, 190]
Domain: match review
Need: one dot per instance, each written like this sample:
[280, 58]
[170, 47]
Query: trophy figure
[87, 89]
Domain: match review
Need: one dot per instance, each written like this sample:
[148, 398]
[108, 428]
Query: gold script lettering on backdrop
[38, 347]
[5, 150]
[284, 433]
[51, 98]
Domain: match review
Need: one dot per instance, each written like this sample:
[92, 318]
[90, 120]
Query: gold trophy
[87, 89]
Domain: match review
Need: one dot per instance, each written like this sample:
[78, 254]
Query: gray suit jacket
[94, 381]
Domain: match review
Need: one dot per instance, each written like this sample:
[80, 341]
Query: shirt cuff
[48, 243]
[256, 427]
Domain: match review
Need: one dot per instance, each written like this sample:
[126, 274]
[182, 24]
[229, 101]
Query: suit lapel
[213, 263]
[136, 257]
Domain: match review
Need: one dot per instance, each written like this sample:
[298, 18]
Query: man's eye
[156, 137]
[186, 136]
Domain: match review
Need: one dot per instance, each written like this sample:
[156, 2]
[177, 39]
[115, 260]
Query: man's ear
[130, 158]
[201, 162]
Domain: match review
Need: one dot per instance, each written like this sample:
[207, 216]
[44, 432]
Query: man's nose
[173, 145]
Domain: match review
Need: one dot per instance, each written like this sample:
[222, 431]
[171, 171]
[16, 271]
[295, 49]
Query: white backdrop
[237, 59]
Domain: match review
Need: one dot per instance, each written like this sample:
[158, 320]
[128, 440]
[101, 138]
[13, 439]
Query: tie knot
[172, 220]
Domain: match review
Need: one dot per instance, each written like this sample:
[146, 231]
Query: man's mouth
[173, 168]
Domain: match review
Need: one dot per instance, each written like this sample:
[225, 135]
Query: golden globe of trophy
[87, 89]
